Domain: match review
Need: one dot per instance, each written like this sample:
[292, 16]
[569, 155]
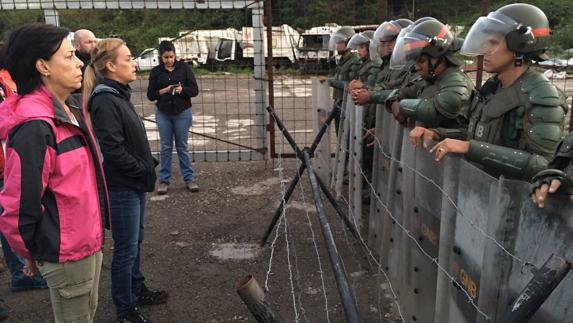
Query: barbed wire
[309, 223]
[371, 255]
[379, 266]
[287, 243]
[408, 233]
[472, 223]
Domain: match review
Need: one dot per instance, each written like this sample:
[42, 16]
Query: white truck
[199, 46]
[148, 59]
[240, 48]
[314, 54]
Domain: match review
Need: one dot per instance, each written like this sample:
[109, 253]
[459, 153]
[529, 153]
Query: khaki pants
[73, 288]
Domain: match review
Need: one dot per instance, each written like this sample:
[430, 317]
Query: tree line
[141, 28]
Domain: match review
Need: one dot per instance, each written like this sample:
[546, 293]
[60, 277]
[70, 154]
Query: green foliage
[141, 28]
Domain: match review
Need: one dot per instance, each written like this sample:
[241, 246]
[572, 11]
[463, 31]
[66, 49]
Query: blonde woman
[130, 167]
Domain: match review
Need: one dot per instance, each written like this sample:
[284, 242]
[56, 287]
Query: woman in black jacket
[172, 84]
[129, 168]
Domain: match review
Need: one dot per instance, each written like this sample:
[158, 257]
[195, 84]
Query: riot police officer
[516, 121]
[347, 61]
[383, 43]
[446, 91]
[346, 66]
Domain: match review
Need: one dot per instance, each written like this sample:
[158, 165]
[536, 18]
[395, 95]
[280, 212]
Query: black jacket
[160, 78]
[85, 58]
[127, 160]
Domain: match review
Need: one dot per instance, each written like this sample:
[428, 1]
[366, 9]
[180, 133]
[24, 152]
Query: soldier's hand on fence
[541, 192]
[360, 96]
[398, 115]
[369, 136]
[421, 133]
[447, 146]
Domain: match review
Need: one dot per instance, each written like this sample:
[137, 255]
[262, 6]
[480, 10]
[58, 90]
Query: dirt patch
[197, 245]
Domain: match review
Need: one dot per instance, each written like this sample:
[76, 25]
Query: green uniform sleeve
[514, 163]
[446, 103]
[372, 74]
[460, 133]
[337, 84]
[379, 96]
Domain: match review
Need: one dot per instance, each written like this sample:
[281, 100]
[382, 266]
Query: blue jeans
[14, 262]
[127, 215]
[174, 127]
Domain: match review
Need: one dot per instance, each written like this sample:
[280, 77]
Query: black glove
[548, 175]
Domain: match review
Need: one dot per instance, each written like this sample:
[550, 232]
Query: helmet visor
[407, 50]
[386, 32]
[487, 34]
[358, 40]
[373, 50]
[335, 39]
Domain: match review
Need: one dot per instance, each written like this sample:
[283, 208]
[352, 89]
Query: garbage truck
[240, 49]
[314, 54]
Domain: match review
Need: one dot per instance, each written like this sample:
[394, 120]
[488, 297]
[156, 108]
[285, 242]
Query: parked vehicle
[148, 59]
[240, 47]
[314, 54]
[199, 46]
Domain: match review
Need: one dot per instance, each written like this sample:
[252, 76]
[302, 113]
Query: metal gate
[229, 112]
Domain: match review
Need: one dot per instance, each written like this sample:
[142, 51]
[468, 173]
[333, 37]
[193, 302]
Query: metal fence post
[259, 70]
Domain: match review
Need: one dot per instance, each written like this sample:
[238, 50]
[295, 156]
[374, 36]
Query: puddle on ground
[235, 251]
[297, 205]
[256, 189]
[159, 197]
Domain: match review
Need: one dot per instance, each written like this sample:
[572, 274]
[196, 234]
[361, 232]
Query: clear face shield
[358, 40]
[487, 34]
[373, 50]
[336, 43]
[407, 49]
[387, 31]
[384, 39]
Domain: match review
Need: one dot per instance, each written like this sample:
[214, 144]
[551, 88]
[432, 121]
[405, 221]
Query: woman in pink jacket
[54, 202]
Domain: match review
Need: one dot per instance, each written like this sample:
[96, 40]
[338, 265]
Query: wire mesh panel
[222, 47]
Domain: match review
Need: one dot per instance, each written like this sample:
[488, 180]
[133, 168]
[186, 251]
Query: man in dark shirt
[84, 42]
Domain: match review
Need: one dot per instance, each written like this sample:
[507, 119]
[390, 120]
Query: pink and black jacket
[54, 204]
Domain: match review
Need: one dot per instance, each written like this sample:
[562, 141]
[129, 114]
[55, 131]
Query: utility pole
[479, 72]
[383, 10]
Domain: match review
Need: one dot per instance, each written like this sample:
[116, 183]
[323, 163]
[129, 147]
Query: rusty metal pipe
[256, 300]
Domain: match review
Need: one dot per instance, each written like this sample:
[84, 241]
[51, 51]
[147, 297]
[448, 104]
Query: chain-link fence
[224, 49]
